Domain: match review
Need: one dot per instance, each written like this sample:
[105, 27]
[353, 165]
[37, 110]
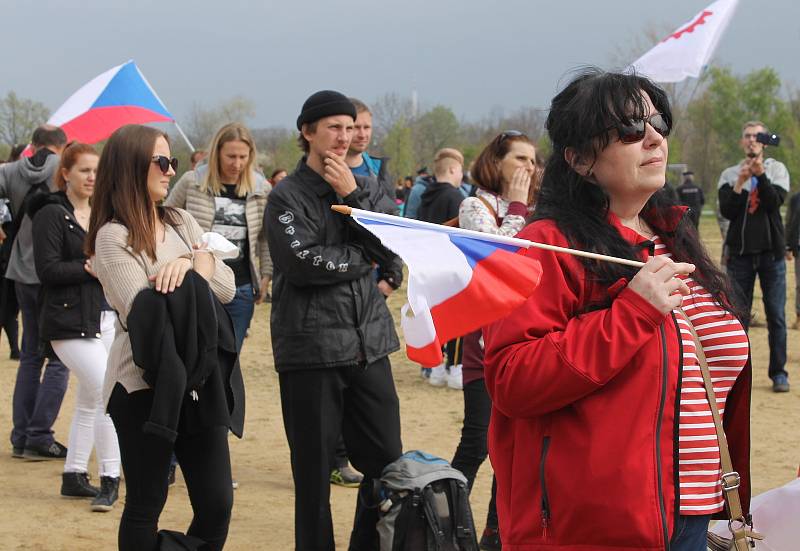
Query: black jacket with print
[326, 308]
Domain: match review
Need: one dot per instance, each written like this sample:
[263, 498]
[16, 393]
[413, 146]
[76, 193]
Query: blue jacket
[415, 196]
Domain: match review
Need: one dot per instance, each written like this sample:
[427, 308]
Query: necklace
[82, 216]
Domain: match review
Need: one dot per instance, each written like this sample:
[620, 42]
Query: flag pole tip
[342, 209]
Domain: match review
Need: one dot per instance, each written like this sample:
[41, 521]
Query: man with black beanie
[331, 329]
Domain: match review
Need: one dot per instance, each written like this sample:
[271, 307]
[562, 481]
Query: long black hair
[581, 117]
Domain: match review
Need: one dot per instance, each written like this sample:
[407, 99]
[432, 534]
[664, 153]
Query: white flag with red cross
[687, 51]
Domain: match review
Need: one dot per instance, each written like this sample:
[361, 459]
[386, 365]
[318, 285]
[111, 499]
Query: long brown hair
[68, 159]
[120, 192]
[485, 170]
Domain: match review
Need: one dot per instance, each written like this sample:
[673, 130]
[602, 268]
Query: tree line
[705, 135]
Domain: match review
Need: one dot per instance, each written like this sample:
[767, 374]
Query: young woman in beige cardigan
[137, 245]
[228, 196]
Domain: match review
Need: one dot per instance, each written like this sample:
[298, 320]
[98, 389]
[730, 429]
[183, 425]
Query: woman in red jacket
[601, 436]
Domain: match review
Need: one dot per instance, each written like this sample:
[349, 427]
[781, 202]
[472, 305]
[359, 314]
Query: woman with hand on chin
[77, 321]
[601, 435]
[138, 244]
[505, 174]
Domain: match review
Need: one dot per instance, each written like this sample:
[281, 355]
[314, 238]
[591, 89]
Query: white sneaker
[438, 376]
[455, 378]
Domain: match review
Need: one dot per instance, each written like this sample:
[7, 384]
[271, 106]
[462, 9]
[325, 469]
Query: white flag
[687, 51]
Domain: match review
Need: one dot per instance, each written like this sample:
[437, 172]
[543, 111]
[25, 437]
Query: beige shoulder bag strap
[454, 222]
[743, 535]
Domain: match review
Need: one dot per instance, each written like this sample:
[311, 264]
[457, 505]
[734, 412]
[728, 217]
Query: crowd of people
[610, 380]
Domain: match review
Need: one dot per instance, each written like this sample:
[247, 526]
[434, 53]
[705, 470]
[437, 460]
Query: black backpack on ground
[424, 506]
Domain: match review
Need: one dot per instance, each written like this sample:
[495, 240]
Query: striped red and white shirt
[726, 348]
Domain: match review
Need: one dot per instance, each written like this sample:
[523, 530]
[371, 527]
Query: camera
[768, 139]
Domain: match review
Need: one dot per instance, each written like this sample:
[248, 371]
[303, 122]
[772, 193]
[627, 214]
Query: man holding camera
[750, 195]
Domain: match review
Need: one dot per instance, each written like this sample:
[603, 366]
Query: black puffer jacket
[71, 299]
[326, 308]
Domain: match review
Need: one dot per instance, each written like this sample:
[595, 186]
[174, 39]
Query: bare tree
[528, 120]
[389, 110]
[19, 117]
[204, 122]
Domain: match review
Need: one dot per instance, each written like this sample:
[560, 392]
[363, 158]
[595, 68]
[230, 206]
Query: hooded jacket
[326, 308]
[71, 298]
[584, 425]
[16, 180]
[440, 203]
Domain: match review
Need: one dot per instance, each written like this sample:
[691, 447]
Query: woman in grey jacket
[228, 196]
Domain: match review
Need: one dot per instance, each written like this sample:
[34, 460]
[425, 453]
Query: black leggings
[205, 464]
[472, 450]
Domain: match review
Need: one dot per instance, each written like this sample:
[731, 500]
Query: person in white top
[506, 176]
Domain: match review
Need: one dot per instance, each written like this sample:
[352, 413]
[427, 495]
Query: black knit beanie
[325, 103]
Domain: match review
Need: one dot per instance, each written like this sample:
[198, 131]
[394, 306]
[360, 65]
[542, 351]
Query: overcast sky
[473, 56]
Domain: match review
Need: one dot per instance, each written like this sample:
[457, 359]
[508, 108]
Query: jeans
[361, 404]
[797, 285]
[772, 274]
[690, 533]
[37, 399]
[472, 449]
[241, 310]
[91, 427]
[205, 464]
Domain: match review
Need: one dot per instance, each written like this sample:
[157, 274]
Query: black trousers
[473, 448]
[359, 401]
[205, 464]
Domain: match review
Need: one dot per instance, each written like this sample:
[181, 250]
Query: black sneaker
[56, 450]
[77, 485]
[17, 452]
[14, 355]
[109, 491]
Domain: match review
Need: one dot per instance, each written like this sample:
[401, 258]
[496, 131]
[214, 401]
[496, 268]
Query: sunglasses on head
[165, 162]
[637, 129]
[510, 134]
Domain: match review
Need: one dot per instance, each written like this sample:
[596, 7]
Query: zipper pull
[194, 395]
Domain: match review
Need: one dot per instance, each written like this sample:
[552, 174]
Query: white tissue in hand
[221, 247]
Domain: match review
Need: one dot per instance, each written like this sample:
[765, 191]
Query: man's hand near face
[338, 174]
[757, 165]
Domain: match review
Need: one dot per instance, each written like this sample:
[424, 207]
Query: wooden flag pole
[409, 222]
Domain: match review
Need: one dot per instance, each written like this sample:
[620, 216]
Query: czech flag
[458, 280]
[118, 97]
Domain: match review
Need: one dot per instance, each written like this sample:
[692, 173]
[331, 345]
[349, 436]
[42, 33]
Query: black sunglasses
[637, 129]
[165, 162]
